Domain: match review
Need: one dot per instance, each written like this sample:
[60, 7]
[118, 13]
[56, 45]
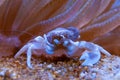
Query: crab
[65, 38]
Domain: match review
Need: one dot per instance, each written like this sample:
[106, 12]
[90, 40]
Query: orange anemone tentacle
[101, 28]
[47, 25]
[106, 15]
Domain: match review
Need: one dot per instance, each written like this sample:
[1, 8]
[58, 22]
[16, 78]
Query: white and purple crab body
[65, 38]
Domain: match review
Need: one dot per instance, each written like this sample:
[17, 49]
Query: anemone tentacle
[101, 28]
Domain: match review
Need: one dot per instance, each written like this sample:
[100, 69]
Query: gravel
[108, 68]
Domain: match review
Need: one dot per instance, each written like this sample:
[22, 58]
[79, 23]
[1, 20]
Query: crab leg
[104, 51]
[29, 54]
[22, 50]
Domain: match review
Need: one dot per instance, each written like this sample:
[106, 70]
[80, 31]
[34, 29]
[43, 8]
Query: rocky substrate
[108, 68]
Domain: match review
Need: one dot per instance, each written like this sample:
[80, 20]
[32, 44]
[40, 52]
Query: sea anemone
[22, 20]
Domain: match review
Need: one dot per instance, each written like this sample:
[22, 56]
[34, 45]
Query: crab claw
[90, 58]
[49, 50]
[56, 41]
[71, 49]
[93, 53]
